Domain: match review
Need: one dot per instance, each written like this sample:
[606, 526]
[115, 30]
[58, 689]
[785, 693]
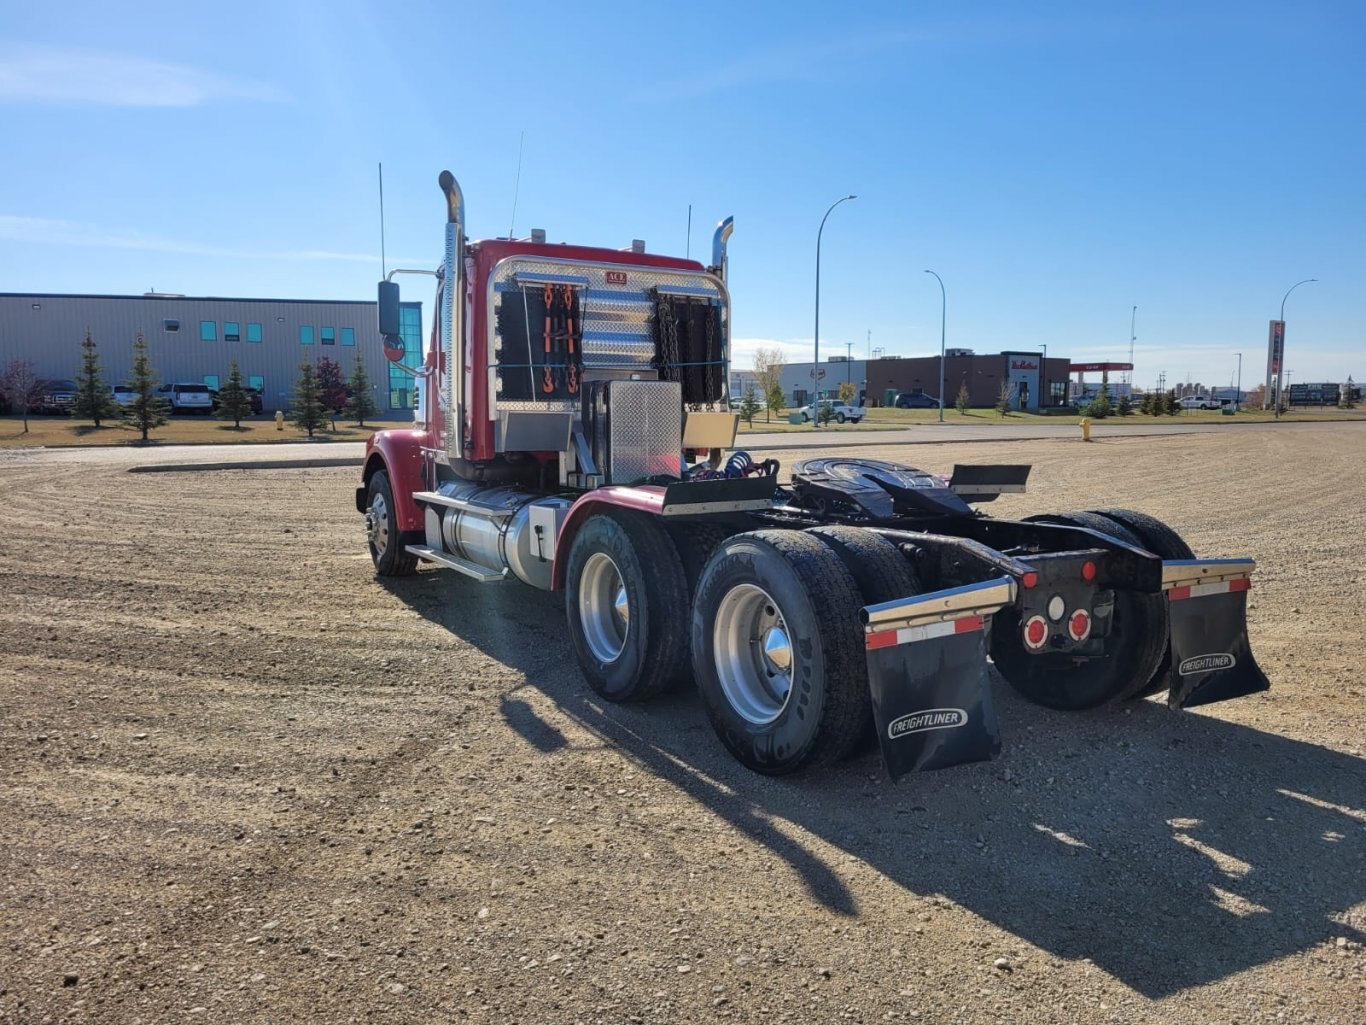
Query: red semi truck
[574, 432]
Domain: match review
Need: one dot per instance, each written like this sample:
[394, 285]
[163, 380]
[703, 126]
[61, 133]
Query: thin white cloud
[35, 73]
[789, 61]
[45, 231]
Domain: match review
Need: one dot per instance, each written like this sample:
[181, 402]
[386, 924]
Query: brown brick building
[1031, 384]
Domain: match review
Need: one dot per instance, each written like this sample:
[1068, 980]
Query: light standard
[816, 368]
[1043, 377]
[848, 359]
[943, 310]
[1238, 395]
[1276, 390]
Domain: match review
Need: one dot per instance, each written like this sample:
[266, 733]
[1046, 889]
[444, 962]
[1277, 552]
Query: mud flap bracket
[927, 670]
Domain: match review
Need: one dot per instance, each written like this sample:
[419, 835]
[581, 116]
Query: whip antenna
[517, 187]
[383, 269]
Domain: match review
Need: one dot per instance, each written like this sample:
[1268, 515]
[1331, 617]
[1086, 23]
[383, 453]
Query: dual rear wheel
[776, 644]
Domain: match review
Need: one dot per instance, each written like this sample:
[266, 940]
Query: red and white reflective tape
[909, 634]
[1202, 590]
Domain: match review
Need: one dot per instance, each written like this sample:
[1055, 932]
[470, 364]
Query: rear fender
[927, 671]
[647, 499]
[1211, 656]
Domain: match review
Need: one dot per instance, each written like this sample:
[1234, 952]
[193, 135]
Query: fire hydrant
[279, 419]
[1085, 428]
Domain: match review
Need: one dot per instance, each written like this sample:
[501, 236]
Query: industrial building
[1031, 382]
[194, 339]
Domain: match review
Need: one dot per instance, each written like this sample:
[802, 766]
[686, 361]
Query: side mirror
[388, 308]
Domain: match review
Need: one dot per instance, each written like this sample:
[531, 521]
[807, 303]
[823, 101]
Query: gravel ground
[243, 781]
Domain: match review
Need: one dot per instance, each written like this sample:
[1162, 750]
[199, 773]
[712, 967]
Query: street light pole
[1129, 375]
[943, 311]
[1238, 395]
[1043, 377]
[1276, 390]
[817, 366]
[848, 360]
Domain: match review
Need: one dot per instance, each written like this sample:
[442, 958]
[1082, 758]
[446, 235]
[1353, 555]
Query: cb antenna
[383, 268]
[517, 187]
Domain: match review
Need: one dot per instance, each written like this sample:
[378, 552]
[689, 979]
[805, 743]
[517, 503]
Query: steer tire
[1137, 641]
[391, 559]
[799, 586]
[631, 658]
[1165, 543]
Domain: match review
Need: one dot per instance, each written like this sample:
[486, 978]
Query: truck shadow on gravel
[1170, 849]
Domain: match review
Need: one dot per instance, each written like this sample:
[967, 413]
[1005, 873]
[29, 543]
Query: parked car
[839, 412]
[187, 397]
[56, 396]
[916, 400]
[125, 395]
[1199, 402]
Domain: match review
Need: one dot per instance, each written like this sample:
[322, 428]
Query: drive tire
[626, 555]
[840, 418]
[822, 714]
[386, 550]
[880, 571]
[1138, 639]
[1165, 543]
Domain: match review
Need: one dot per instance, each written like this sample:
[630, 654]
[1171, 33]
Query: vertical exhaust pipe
[453, 315]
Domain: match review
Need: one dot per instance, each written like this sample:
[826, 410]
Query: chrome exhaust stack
[453, 316]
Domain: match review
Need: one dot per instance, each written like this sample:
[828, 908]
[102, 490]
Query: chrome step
[481, 573]
[436, 498]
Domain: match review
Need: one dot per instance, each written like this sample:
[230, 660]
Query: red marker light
[1088, 571]
[1029, 580]
[1036, 632]
[1079, 626]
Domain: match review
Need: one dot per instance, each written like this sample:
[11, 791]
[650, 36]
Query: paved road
[347, 453]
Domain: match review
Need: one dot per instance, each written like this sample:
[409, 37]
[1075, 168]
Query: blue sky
[1056, 163]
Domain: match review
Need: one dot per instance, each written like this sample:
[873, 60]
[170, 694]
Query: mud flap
[1211, 657]
[927, 670]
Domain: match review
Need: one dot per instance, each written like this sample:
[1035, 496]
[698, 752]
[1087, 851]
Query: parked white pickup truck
[839, 412]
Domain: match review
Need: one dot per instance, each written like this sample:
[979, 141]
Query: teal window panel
[208, 330]
[306, 334]
[253, 332]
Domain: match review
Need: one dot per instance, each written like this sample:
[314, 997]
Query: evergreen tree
[1125, 407]
[331, 387]
[1169, 403]
[233, 401]
[749, 405]
[825, 411]
[360, 404]
[1145, 405]
[1349, 394]
[307, 413]
[148, 410]
[93, 400]
[961, 402]
[1099, 407]
[775, 401]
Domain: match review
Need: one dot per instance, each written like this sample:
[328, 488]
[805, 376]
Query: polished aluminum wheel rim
[377, 524]
[753, 654]
[604, 609]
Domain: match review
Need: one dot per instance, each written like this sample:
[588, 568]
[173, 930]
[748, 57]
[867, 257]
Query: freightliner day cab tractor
[573, 431]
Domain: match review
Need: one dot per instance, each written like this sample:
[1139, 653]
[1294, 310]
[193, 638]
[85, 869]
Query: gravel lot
[243, 781]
